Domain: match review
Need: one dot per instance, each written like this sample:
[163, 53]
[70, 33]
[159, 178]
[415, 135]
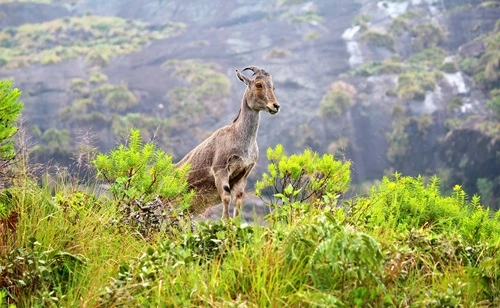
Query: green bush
[413, 85]
[494, 102]
[426, 35]
[10, 108]
[205, 93]
[35, 271]
[300, 181]
[142, 172]
[338, 100]
[378, 39]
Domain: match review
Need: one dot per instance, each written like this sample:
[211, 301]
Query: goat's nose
[276, 106]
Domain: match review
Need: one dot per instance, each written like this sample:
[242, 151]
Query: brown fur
[221, 164]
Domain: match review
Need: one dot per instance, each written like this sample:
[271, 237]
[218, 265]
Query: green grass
[97, 37]
[402, 244]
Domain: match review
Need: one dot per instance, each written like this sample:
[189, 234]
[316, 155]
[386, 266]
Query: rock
[472, 49]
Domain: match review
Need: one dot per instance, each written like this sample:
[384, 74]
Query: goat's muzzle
[275, 109]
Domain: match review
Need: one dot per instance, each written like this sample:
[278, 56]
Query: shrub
[10, 108]
[494, 102]
[428, 58]
[413, 85]
[426, 35]
[449, 67]
[139, 172]
[118, 98]
[298, 179]
[209, 242]
[399, 25]
[278, 53]
[37, 271]
[340, 261]
[378, 39]
[338, 100]
[207, 91]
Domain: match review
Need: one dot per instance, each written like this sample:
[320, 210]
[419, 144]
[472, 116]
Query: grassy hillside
[98, 38]
[66, 243]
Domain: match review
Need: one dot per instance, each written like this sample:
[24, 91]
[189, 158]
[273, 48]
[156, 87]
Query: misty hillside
[409, 86]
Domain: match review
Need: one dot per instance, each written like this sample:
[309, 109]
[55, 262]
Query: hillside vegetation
[132, 242]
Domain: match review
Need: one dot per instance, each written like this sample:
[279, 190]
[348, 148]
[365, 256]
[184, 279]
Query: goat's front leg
[222, 184]
[239, 193]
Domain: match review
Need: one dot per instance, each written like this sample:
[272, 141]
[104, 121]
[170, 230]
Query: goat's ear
[243, 78]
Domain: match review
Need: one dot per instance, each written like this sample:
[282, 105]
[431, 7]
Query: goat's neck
[247, 122]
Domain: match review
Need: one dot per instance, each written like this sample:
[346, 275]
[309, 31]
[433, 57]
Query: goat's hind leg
[222, 185]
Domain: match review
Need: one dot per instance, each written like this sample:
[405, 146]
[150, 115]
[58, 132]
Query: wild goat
[221, 163]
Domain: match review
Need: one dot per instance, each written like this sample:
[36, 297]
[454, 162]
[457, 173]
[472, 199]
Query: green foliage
[97, 37]
[278, 53]
[399, 25]
[142, 172]
[428, 58]
[337, 100]
[449, 67]
[456, 103]
[207, 91]
[297, 179]
[54, 142]
[413, 85]
[404, 203]
[10, 110]
[403, 244]
[36, 271]
[378, 39]
[494, 102]
[208, 243]
[426, 35]
[117, 98]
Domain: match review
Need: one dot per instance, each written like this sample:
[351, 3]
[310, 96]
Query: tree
[10, 110]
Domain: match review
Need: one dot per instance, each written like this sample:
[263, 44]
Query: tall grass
[402, 245]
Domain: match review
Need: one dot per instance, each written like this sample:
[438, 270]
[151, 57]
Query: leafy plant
[306, 177]
[142, 172]
[378, 39]
[413, 85]
[337, 100]
[38, 271]
[426, 35]
[10, 110]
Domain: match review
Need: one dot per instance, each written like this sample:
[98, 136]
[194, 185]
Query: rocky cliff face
[382, 48]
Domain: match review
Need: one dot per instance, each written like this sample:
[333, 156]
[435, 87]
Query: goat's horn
[254, 69]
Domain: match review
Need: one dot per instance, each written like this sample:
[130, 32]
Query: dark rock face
[472, 49]
[16, 14]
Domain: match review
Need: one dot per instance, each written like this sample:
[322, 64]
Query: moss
[378, 39]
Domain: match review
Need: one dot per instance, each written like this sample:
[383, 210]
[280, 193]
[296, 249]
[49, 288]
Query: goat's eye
[258, 86]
